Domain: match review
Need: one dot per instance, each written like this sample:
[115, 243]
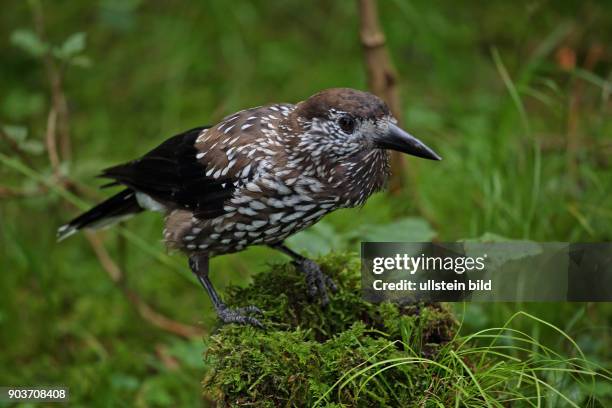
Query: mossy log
[341, 355]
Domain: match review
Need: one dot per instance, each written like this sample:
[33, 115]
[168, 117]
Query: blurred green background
[514, 95]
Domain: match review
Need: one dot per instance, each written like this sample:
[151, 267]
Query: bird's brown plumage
[257, 177]
[278, 188]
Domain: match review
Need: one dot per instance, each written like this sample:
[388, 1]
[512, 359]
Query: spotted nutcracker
[257, 177]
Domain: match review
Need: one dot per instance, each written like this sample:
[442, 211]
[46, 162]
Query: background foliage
[514, 95]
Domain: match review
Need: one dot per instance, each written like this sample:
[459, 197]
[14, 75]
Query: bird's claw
[316, 281]
[249, 310]
[240, 315]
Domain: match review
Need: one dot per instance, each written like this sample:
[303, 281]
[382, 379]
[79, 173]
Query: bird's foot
[239, 315]
[316, 281]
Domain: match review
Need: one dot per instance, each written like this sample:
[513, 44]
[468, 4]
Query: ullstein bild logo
[486, 272]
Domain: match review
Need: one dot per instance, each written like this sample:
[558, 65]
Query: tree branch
[9, 192]
[382, 77]
[54, 77]
[146, 312]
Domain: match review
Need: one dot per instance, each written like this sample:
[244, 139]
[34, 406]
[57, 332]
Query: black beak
[402, 141]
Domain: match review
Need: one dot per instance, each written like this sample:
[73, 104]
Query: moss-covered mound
[312, 356]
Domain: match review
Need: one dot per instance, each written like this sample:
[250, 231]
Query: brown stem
[382, 77]
[54, 77]
[146, 312]
[10, 192]
[51, 142]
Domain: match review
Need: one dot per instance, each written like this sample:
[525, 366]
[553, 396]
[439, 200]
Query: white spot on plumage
[305, 208]
[272, 230]
[257, 205]
[276, 203]
[294, 216]
[282, 189]
[289, 227]
[253, 187]
[245, 171]
[247, 211]
[275, 217]
[256, 224]
[315, 215]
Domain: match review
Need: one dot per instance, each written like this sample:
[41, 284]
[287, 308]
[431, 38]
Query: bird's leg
[199, 266]
[316, 281]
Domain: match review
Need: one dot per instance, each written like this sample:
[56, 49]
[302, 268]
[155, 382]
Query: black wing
[172, 175]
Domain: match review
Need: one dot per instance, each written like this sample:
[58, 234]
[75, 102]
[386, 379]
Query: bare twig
[167, 359]
[146, 312]
[382, 81]
[51, 142]
[10, 192]
[54, 77]
[382, 77]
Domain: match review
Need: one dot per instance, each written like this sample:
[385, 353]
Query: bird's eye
[347, 124]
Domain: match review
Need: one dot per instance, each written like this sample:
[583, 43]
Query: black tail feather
[119, 206]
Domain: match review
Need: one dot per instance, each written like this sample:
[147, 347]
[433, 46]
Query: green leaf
[72, 46]
[489, 237]
[81, 61]
[28, 41]
[16, 133]
[410, 229]
[121, 381]
[317, 240]
[32, 146]
[498, 255]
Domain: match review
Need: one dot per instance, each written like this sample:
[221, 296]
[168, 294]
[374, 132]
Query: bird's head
[344, 122]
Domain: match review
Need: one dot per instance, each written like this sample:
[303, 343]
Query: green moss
[305, 349]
